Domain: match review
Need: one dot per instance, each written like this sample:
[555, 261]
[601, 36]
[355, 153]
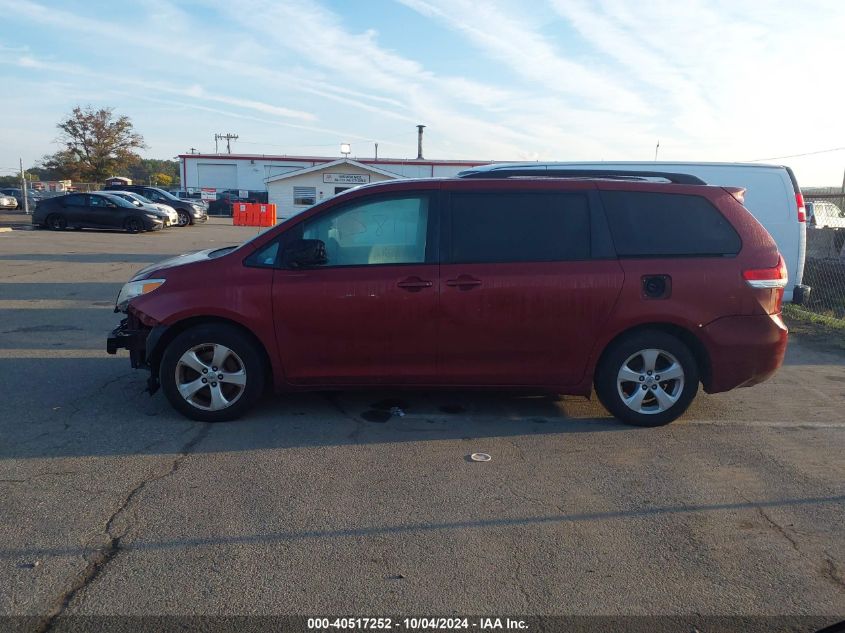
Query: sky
[711, 80]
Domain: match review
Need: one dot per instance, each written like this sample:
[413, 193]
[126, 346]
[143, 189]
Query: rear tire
[629, 383]
[56, 222]
[194, 356]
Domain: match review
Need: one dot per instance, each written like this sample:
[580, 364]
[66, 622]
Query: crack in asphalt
[831, 572]
[110, 549]
[779, 529]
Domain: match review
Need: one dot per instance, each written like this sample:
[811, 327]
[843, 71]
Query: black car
[189, 212]
[95, 210]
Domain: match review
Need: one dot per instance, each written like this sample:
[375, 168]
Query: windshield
[118, 200]
[142, 199]
[168, 195]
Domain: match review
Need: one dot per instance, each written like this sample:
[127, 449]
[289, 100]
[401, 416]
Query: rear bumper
[743, 350]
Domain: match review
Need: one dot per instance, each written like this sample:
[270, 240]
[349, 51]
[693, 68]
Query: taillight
[802, 213]
[775, 277]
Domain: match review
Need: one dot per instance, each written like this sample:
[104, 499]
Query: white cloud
[562, 79]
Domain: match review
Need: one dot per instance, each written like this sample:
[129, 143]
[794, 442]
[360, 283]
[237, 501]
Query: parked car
[193, 196]
[15, 192]
[772, 195]
[8, 202]
[95, 210]
[168, 213]
[188, 212]
[642, 289]
[822, 214]
[225, 199]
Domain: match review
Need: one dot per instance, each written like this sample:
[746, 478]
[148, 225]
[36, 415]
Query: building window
[305, 195]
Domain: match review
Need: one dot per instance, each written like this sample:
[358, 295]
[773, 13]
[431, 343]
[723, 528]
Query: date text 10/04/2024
[362, 623]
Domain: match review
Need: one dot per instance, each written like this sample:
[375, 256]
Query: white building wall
[253, 172]
[280, 192]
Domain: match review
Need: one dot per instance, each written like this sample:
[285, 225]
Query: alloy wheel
[210, 377]
[650, 381]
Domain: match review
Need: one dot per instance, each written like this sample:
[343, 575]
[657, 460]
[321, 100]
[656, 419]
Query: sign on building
[208, 193]
[347, 179]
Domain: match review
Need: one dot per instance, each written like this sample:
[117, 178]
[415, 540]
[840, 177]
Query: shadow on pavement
[271, 538]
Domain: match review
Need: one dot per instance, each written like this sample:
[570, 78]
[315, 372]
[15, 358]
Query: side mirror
[304, 253]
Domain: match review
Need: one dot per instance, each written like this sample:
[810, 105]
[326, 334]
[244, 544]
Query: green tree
[146, 169]
[97, 144]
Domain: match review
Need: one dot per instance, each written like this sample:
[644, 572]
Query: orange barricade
[253, 214]
[266, 214]
[239, 214]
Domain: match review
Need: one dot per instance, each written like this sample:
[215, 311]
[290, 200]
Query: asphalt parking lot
[111, 503]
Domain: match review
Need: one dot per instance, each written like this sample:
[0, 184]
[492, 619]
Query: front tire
[133, 225]
[648, 378]
[57, 222]
[212, 373]
[184, 218]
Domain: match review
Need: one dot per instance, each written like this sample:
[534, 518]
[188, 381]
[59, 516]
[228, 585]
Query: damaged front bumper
[140, 341]
[130, 336]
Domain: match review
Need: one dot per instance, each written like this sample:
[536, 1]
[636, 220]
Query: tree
[147, 168]
[97, 145]
[162, 179]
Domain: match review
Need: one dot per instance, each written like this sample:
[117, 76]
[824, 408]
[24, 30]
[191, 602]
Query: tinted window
[519, 227]
[387, 231]
[645, 224]
[74, 201]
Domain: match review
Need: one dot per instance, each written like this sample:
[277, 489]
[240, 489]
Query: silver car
[8, 202]
[140, 201]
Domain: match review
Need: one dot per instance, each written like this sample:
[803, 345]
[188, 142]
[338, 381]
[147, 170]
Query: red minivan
[638, 288]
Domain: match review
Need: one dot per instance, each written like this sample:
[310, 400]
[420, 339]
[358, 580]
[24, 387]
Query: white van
[772, 195]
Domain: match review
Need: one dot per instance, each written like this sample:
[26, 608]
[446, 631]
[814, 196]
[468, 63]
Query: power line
[821, 151]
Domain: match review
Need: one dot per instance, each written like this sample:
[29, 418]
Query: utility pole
[228, 137]
[24, 189]
[657, 147]
[376, 151]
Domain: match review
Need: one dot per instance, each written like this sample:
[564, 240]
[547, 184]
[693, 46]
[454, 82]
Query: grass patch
[825, 332]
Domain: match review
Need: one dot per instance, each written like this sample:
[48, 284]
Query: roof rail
[557, 172]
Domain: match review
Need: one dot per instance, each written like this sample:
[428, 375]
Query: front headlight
[135, 289]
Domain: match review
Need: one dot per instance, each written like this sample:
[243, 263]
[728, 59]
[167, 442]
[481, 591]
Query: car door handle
[464, 281]
[414, 284]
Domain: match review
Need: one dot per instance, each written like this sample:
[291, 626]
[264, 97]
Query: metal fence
[824, 272]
